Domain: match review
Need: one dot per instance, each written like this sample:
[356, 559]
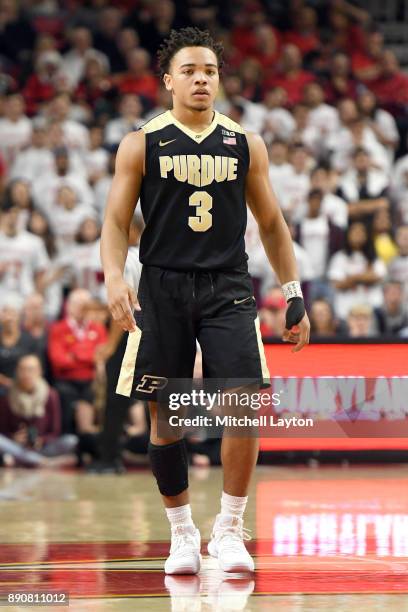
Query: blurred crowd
[316, 79]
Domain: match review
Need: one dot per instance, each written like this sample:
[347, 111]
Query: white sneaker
[227, 544]
[185, 557]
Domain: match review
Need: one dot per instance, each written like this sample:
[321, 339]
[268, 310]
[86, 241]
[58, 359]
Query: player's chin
[201, 103]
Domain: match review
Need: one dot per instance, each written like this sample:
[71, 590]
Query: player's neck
[195, 120]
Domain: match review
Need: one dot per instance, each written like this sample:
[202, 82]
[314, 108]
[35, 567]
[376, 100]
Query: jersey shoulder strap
[229, 124]
[157, 123]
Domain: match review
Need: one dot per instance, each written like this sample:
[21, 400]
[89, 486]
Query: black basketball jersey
[193, 194]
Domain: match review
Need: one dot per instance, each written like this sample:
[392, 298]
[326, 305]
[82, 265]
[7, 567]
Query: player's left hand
[297, 329]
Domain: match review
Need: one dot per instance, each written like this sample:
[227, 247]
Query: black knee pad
[170, 466]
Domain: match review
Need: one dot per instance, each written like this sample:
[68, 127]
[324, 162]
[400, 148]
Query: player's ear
[167, 81]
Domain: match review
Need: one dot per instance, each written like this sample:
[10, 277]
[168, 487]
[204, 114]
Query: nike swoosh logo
[250, 297]
[163, 144]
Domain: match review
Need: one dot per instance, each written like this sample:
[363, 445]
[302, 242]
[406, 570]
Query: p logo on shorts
[151, 383]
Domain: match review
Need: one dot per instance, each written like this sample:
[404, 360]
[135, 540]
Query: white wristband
[291, 290]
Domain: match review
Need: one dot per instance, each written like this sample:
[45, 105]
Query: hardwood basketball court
[326, 538]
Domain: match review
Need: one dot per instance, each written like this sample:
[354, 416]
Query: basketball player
[194, 170]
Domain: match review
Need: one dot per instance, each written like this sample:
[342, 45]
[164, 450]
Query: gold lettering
[193, 165]
[203, 219]
[207, 170]
[166, 164]
[221, 168]
[199, 170]
[180, 167]
[232, 168]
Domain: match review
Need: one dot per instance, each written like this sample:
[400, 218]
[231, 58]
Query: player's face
[193, 78]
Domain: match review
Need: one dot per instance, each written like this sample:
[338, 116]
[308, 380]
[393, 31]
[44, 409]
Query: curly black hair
[186, 37]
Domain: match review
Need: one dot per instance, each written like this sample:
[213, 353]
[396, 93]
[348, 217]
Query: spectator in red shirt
[391, 87]
[71, 348]
[304, 33]
[267, 46]
[232, 55]
[272, 313]
[94, 89]
[41, 86]
[367, 63]
[341, 83]
[345, 30]
[30, 419]
[243, 35]
[251, 74]
[139, 79]
[292, 78]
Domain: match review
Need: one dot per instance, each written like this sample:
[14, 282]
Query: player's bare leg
[169, 461]
[238, 458]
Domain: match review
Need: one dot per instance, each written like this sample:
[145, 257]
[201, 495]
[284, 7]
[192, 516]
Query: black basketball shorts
[215, 308]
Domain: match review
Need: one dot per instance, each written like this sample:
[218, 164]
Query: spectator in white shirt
[253, 116]
[380, 121]
[133, 267]
[103, 185]
[398, 268]
[18, 193]
[304, 133]
[56, 140]
[321, 115]
[297, 185]
[36, 159]
[354, 132]
[86, 266]
[23, 258]
[320, 238]
[46, 187]
[15, 128]
[97, 157]
[356, 273]
[334, 207]
[67, 214]
[39, 225]
[258, 262]
[399, 187]
[278, 123]
[73, 62]
[280, 170]
[130, 118]
[363, 187]
[76, 135]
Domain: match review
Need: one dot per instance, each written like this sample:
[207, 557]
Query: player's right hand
[122, 301]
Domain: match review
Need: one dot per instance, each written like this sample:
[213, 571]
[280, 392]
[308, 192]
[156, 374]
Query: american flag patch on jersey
[229, 140]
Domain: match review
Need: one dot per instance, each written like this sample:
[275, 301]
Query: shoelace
[181, 539]
[234, 536]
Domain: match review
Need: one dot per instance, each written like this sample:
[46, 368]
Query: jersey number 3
[203, 219]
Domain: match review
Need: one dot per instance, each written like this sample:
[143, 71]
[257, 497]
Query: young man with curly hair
[194, 170]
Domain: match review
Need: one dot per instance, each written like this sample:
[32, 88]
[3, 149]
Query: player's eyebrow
[189, 65]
